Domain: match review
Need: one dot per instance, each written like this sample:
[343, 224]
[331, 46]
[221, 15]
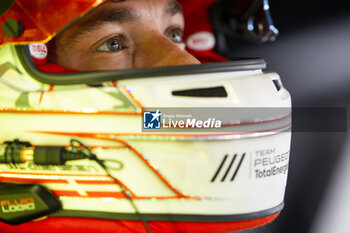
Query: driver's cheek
[157, 50]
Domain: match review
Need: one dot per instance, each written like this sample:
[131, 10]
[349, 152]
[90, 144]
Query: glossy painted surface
[42, 19]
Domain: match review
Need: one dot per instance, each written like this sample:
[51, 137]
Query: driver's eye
[113, 44]
[175, 35]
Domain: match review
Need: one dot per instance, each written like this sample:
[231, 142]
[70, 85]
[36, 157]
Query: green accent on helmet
[5, 5]
[126, 104]
[13, 28]
[23, 101]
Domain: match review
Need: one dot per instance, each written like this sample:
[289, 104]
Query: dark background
[312, 56]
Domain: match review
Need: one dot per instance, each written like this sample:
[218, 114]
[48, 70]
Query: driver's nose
[154, 49]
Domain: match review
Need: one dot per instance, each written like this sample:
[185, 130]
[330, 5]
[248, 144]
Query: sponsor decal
[17, 205]
[229, 166]
[38, 50]
[268, 163]
[201, 41]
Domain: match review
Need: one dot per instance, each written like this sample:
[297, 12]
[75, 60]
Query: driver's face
[124, 34]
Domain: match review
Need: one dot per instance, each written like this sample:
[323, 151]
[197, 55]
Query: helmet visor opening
[114, 75]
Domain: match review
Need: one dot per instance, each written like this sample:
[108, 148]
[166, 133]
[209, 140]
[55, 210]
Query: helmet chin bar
[229, 176]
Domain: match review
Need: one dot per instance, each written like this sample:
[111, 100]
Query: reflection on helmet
[146, 146]
[249, 20]
[40, 20]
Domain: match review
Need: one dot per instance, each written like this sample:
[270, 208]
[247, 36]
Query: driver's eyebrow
[97, 20]
[120, 16]
[173, 8]
[113, 15]
[124, 15]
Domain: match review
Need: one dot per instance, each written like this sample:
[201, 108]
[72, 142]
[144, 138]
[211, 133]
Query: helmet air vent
[202, 92]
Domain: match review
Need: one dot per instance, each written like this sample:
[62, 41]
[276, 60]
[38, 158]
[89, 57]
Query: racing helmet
[190, 148]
